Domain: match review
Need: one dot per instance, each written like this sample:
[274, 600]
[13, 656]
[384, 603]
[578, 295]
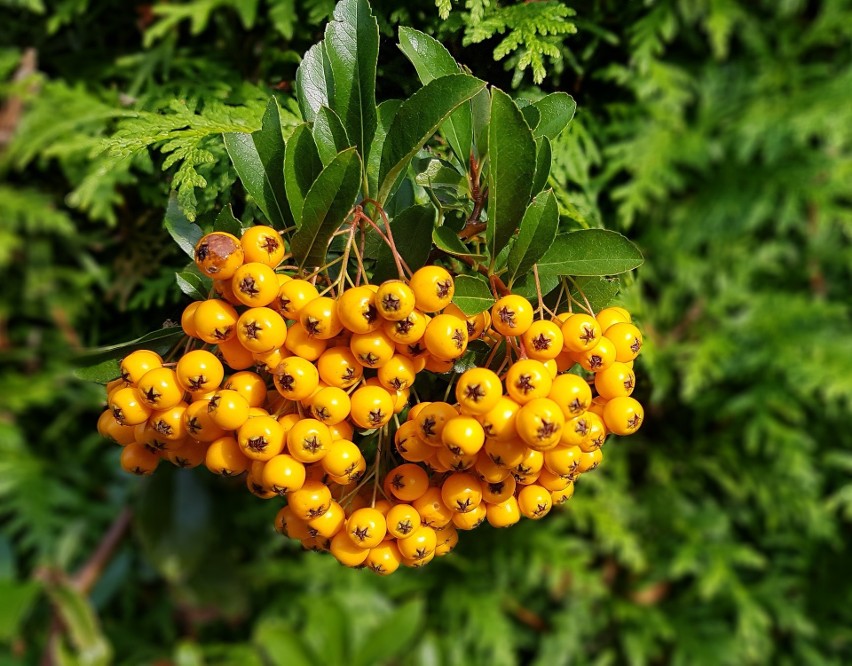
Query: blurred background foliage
[716, 133]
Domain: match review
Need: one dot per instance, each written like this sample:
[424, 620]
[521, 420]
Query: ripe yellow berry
[219, 255]
[263, 244]
[512, 315]
[433, 288]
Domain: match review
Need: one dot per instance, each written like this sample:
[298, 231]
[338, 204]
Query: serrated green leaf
[185, 233]
[526, 286]
[472, 294]
[259, 161]
[535, 235]
[99, 373]
[225, 221]
[385, 115]
[352, 49]
[432, 60]
[412, 232]
[591, 252]
[543, 161]
[329, 135]
[160, 341]
[302, 166]
[557, 110]
[192, 285]
[447, 239]
[416, 121]
[395, 634]
[314, 82]
[599, 291]
[328, 202]
[511, 155]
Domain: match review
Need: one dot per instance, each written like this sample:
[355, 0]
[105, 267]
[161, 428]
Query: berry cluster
[303, 383]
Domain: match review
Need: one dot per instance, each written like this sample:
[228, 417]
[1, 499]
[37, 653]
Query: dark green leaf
[591, 252]
[314, 82]
[474, 356]
[557, 110]
[18, 598]
[447, 239]
[259, 160]
[392, 637]
[352, 48]
[386, 112]
[329, 135]
[432, 60]
[599, 291]
[526, 285]
[472, 294]
[412, 232]
[535, 236]
[173, 520]
[480, 107]
[416, 121]
[225, 221]
[511, 154]
[543, 160]
[192, 285]
[282, 645]
[328, 202]
[185, 233]
[102, 372]
[531, 115]
[435, 172]
[302, 165]
[160, 341]
[326, 631]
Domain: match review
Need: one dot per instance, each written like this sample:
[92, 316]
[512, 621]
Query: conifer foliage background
[717, 134]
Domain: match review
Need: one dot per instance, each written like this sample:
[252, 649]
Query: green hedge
[717, 135]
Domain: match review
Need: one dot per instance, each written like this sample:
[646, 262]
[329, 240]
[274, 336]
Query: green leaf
[535, 236]
[281, 644]
[511, 153]
[543, 160]
[416, 121]
[18, 597]
[225, 221]
[446, 239]
[437, 173]
[160, 341]
[474, 356]
[80, 622]
[591, 252]
[314, 82]
[102, 372]
[599, 291]
[480, 107]
[386, 112]
[472, 294]
[174, 522]
[192, 285]
[185, 233]
[352, 48]
[302, 166]
[393, 637]
[557, 110]
[432, 61]
[328, 202]
[526, 285]
[531, 115]
[412, 233]
[259, 160]
[329, 135]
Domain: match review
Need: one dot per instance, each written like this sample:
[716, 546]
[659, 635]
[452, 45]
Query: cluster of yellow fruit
[327, 367]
